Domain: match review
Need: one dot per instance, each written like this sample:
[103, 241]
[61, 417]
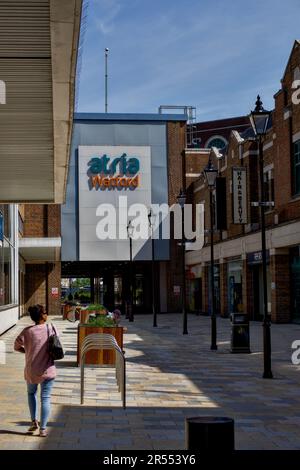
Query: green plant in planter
[96, 308]
[101, 321]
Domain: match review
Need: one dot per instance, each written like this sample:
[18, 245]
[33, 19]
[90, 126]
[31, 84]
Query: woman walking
[39, 366]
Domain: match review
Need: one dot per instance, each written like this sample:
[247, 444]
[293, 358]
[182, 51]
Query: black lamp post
[181, 198]
[152, 219]
[259, 119]
[130, 230]
[211, 174]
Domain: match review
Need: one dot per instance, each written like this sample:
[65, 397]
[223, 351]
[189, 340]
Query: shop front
[216, 288]
[119, 170]
[254, 263]
[295, 283]
[194, 288]
[234, 286]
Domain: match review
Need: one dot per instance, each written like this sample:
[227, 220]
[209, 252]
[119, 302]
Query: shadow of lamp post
[152, 220]
[130, 230]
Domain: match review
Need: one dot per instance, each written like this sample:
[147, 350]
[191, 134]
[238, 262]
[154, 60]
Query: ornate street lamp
[152, 220]
[259, 119]
[181, 198]
[211, 174]
[130, 230]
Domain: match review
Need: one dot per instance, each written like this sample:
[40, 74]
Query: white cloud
[107, 13]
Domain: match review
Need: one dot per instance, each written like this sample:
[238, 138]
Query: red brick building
[39, 250]
[215, 133]
[238, 275]
[238, 270]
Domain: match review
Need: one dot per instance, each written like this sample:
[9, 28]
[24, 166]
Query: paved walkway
[169, 376]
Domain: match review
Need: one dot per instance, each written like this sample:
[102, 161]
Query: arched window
[216, 141]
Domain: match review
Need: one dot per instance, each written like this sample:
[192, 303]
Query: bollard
[209, 434]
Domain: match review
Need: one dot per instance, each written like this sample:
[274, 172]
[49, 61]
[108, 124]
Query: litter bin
[209, 434]
[240, 335]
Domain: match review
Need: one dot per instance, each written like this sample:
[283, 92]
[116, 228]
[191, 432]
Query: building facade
[120, 159]
[215, 133]
[238, 269]
[38, 53]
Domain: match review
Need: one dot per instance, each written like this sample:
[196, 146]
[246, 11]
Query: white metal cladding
[24, 28]
[26, 120]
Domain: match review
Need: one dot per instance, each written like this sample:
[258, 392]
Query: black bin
[240, 334]
[209, 434]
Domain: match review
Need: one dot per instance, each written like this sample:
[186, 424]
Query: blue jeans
[46, 388]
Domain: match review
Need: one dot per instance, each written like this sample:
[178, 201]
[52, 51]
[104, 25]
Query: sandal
[43, 433]
[34, 426]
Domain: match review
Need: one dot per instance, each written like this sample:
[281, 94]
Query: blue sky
[212, 54]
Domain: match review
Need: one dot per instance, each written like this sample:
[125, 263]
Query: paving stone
[170, 376]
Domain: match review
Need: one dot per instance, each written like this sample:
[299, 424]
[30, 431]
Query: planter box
[98, 357]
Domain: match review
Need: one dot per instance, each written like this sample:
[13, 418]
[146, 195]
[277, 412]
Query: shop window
[296, 168]
[7, 268]
[216, 287]
[235, 290]
[139, 290]
[295, 283]
[8, 276]
[118, 291]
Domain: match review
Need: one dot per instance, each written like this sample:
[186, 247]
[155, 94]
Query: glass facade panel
[295, 283]
[8, 276]
[216, 287]
[235, 291]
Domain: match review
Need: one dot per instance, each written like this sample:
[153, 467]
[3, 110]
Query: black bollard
[209, 434]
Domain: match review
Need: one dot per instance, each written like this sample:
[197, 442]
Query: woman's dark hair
[36, 312]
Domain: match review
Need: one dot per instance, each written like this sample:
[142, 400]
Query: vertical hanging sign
[239, 195]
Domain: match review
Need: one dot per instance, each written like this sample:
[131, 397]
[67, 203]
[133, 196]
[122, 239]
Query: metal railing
[104, 341]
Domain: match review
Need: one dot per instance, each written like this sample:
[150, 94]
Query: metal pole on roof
[106, 56]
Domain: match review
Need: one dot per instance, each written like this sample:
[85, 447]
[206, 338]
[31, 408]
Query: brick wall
[176, 144]
[281, 295]
[41, 220]
[39, 281]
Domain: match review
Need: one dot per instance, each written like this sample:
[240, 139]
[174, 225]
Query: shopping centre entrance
[109, 284]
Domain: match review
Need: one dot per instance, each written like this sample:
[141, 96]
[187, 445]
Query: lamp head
[130, 229]
[181, 198]
[259, 118]
[211, 173]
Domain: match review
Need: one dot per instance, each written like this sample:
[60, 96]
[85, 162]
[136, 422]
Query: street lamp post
[181, 198]
[152, 218]
[106, 77]
[259, 119]
[211, 174]
[130, 230]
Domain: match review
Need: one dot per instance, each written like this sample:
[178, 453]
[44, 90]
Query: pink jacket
[33, 341]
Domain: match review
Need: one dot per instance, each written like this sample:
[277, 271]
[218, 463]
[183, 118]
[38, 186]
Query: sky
[216, 55]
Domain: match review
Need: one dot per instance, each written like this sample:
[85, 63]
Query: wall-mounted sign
[176, 290]
[120, 172]
[239, 195]
[54, 292]
[111, 176]
[256, 257]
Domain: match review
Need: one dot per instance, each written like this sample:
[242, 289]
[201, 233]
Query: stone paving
[170, 376]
